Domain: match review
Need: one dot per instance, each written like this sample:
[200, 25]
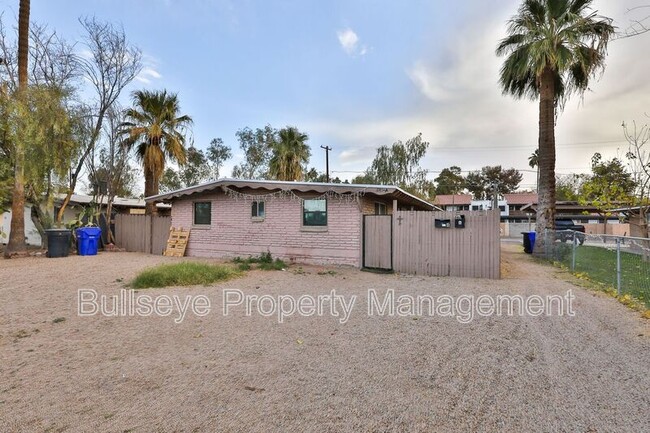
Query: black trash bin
[58, 242]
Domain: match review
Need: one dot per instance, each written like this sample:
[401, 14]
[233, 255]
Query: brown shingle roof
[451, 199]
[521, 198]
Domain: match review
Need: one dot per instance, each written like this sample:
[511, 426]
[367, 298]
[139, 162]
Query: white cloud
[147, 74]
[350, 43]
[456, 103]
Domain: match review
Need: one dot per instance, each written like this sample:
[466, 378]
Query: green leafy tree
[290, 155]
[610, 184]
[568, 187]
[216, 155]
[313, 175]
[257, 147]
[199, 167]
[170, 181]
[481, 183]
[399, 165]
[553, 49]
[155, 128]
[364, 179]
[450, 181]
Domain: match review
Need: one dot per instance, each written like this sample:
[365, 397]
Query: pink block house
[307, 222]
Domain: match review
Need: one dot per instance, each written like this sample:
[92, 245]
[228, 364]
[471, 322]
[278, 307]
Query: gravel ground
[587, 373]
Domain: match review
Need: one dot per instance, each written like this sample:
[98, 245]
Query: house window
[257, 209]
[475, 207]
[380, 208]
[202, 213]
[502, 208]
[314, 212]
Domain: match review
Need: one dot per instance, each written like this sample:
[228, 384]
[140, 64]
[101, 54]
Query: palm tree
[290, 155]
[154, 124]
[16, 242]
[553, 49]
[533, 162]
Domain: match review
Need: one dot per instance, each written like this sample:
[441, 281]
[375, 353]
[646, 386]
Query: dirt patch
[238, 373]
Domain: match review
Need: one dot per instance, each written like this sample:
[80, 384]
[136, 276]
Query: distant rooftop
[453, 199]
[521, 198]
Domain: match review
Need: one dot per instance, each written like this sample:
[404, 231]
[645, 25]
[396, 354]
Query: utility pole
[495, 197]
[327, 162]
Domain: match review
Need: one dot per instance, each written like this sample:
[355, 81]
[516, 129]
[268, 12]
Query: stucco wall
[234, 233]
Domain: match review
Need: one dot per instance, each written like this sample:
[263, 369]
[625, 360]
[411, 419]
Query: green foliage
[264, 262]
[610, 184]
[289, 155]
[313, 175]
[450, 181]
[399, 165]
[599, 264]
[39, 120]
[200, 167]
[256, 145]
[479, 183]
[563, 37]
[155, 128]
[217, 154]
[170, 181]
[567, 188]
[183, 274]
[88, 217]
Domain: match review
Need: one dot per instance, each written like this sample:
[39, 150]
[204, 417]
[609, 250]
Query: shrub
[183, 274]
[264, 262]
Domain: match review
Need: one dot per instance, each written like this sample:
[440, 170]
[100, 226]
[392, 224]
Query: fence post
[618, 266]
[573, 253]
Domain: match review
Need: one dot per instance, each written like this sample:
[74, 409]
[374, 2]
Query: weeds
[264, 262]
[183, 274]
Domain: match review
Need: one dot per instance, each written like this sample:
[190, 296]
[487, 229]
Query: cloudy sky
[357, 74]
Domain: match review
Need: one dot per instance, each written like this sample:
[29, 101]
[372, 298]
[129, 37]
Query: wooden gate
[142, 233]
[457, 244]
[378, 242]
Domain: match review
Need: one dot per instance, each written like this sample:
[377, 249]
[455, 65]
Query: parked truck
[565, 229]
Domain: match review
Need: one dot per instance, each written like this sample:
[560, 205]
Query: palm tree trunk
[16, 242]
[148, 189]
[546, 203]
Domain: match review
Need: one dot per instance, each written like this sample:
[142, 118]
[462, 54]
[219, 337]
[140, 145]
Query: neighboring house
[478, 205]
[516, 201]
[77, 203]
[307, 222]
[453, 202]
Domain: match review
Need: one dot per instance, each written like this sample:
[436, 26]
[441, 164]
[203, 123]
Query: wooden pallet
[177, 242]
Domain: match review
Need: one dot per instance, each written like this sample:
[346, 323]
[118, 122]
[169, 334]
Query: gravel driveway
[60, 372]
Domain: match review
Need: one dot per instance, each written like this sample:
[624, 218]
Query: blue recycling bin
[88, 240]
[529, 241]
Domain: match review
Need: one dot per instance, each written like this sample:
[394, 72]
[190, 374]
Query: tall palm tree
[553, 48]
[290, 155]
[155, 127]
[16, 242]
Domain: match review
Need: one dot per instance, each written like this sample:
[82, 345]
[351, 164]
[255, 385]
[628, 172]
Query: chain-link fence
[620, 262]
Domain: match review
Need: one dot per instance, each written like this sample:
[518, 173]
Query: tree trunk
[16, 244]
[546, 201]
[149, 208]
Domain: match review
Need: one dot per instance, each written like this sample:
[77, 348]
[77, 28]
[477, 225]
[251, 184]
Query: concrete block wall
[233, 232]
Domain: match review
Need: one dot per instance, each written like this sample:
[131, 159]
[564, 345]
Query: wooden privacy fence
[458, 244]
[142, 233]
